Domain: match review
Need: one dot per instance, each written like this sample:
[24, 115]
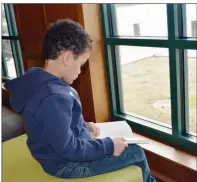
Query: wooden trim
[167, 170]
[168, 163]
[161, 176]
[97, 63]
[31, 27]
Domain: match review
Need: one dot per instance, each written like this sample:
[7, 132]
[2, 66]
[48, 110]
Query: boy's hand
[119, 145]
[93, 129]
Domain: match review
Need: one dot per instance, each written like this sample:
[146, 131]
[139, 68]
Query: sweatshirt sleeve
[56, 113]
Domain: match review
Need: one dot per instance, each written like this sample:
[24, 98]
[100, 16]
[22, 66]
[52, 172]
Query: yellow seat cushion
[19, 166]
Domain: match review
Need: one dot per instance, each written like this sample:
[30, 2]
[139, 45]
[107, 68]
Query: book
[119, 129]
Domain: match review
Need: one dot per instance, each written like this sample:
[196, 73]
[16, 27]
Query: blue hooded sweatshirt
[53, 121]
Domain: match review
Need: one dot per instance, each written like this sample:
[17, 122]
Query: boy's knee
[134, 148]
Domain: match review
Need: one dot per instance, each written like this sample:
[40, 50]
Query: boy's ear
[67, 57]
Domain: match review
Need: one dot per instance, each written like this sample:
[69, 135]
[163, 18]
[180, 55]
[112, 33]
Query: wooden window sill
[169, 163]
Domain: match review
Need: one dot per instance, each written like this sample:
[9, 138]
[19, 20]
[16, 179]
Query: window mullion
[7, 8]
[182, 20]
[174, 71]
[116, 61]
[185, 95]
[19, 59]
[15, 56]
[116, 58]
[138, 42]
[112, 81]
[10, 37]
[105, 21]
[7, 15]
[113, 20]
[108, 55]
[4, 66]
[182, 32]
[10, 19]
[13, 38]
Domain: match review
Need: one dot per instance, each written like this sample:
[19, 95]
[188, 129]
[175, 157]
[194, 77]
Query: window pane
[141, 20]
[191, 54]
[191, 20]
[8, 57]
[145, 82]
[4, 25]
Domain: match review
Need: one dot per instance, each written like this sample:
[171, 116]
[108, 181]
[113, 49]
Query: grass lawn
[146, 89]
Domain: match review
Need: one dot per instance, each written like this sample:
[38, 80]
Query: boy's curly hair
[65, 35]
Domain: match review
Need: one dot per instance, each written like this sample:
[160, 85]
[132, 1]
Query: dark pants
[133, 155]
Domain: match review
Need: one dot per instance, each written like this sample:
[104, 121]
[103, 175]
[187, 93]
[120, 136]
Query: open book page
[119, 129]
[134, 140]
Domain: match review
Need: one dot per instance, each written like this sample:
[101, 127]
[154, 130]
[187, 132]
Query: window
[145, 86]
[151, 62]
[191, 20]
[11, 55]
[191, 57]
[137, 16]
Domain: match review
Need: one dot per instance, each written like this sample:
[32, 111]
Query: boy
[58, 137]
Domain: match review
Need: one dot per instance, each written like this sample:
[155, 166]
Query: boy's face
[72, 67]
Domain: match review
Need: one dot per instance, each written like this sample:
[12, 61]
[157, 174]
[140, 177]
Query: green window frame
[14, 42]
[176, 43]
